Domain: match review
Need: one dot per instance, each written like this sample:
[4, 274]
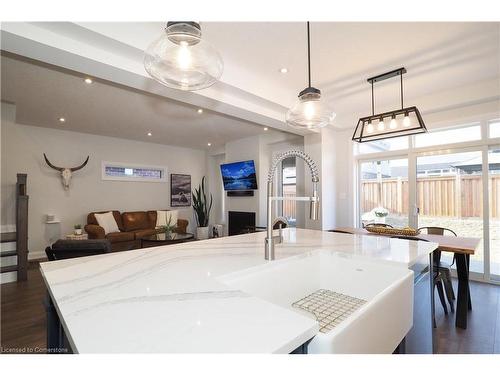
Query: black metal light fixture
[398, 123]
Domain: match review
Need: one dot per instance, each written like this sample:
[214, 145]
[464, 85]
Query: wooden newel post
[22, 227]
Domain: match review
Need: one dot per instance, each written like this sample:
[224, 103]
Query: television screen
[239, 175]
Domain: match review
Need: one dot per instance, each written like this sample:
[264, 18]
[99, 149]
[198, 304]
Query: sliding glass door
[288, 177]
[494, 211]
[449, 194]
[449, 178]
[384, 192]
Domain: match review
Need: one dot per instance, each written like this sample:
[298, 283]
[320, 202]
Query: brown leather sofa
[133, 226]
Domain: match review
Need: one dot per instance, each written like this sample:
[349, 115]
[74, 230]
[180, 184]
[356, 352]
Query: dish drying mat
[330, 308]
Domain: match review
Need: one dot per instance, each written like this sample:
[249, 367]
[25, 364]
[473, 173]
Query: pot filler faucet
[314, 200]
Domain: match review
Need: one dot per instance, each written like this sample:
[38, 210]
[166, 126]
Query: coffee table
[161, 239]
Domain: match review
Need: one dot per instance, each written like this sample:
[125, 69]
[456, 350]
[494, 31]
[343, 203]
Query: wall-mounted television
[239, 176]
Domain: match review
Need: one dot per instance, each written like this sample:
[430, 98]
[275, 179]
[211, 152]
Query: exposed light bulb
[369, 128]
[200, 111]
[309, 110]
[88, 81]
[393, 124]
[381, 125]
[184, 58]
[406, 121]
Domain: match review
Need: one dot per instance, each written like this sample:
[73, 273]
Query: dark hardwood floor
[23, 314]
[23, 319]
[482, 335]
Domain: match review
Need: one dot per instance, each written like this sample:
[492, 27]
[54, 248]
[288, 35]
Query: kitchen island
[175, 299]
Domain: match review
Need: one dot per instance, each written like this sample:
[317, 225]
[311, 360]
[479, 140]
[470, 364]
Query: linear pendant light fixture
[397, 123]
[310, 112]
[181, 59]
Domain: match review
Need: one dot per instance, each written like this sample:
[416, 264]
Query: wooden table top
[459, 245]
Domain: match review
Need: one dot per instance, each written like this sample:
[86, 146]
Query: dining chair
[437, 281]
[442, 268]
[66, 249]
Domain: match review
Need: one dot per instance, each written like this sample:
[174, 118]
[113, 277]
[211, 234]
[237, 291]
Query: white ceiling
[444, 59]
[439, 56]
[44, 93]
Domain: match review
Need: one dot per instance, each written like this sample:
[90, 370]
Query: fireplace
[240, 222]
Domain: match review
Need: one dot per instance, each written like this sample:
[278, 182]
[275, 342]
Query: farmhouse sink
[384, 294]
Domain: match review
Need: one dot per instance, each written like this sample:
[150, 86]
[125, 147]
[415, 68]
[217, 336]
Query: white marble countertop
[169, 299]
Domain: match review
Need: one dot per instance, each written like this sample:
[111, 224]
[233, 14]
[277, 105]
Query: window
[391, 144]
[441, 137]
[289, 186]
[133, 172]
[438, 180]
[384, 192]
[495, 129]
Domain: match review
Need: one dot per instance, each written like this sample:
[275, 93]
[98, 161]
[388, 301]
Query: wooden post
[22, 227]
[458, 195]
[399, 194]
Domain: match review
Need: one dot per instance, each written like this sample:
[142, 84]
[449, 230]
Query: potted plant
[202, 209]
[168, 228]
[380, 214]
[78, 229]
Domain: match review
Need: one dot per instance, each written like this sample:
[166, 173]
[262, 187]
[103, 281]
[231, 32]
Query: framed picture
[180, 190]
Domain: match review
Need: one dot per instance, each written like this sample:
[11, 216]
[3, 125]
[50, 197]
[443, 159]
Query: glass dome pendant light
[182, 60]
[310, 112]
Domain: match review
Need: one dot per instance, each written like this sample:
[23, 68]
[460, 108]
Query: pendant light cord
[373, 102]
[401, 75]
[308, 54]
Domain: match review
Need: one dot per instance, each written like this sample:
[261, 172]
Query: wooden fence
[459, 196]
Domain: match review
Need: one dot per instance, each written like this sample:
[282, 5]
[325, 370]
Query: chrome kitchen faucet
[314, 199]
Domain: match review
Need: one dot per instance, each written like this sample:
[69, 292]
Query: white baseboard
[36, 255]
[6, 228]
[8, 277]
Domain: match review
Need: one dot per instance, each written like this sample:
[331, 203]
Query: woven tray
[393, 231]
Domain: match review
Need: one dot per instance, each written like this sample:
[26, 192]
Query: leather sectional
[133, 226]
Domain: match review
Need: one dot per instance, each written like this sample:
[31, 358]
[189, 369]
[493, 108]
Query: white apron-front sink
[378, 326]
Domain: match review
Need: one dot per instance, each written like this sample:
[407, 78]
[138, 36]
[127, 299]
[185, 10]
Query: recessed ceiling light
[266, 129]
[62, 119]
[283, 70]
[88, 81]
[200, 110]
[209, 144]
[150, 134]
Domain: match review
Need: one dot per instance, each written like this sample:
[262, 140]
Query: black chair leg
[439, 286]
[448, 287]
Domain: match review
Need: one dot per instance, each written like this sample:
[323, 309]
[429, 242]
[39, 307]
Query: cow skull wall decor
[66, 173]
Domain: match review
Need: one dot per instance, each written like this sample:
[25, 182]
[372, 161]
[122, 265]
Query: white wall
[240, 150]
[260, 149]
[312, 147]
[22, 152]
[216, 188]
[344, 172]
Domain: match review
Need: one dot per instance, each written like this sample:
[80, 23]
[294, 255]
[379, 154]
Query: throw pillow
[107, 221]
[161, 218]
[172, 215]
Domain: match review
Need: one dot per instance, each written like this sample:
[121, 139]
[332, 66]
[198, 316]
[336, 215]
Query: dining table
[462, 247]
